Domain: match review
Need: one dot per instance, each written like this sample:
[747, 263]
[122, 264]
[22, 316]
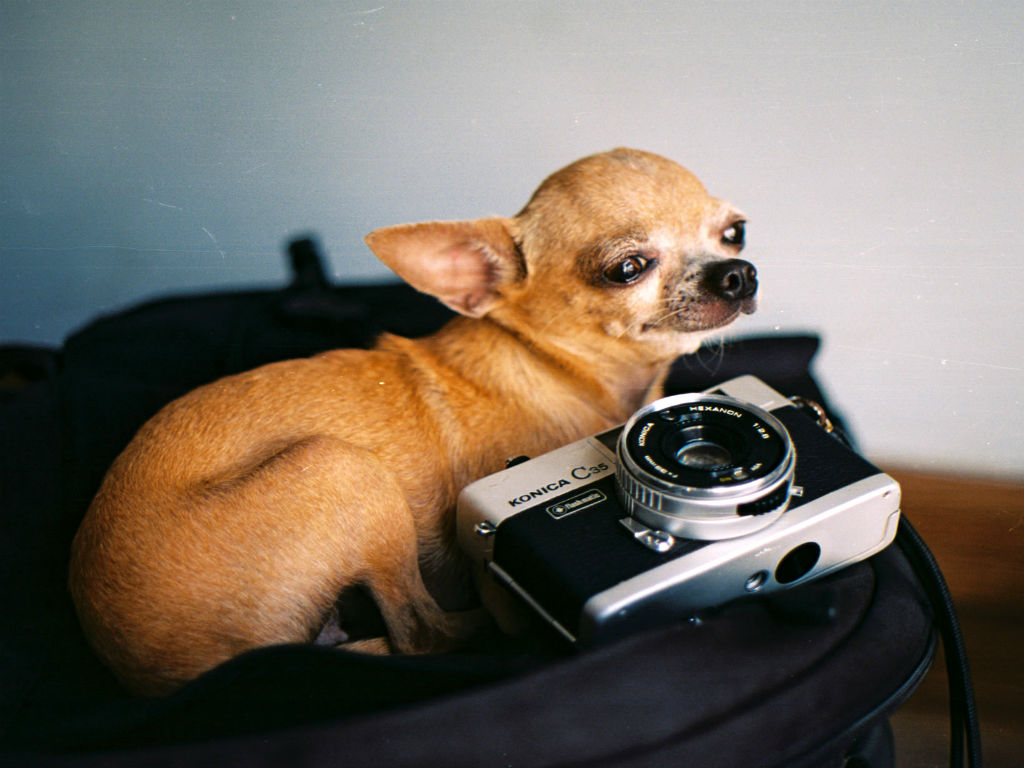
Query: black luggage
[807, 678]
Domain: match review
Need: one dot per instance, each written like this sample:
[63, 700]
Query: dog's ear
[464, 264]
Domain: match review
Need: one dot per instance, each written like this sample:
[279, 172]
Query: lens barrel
[705, 466]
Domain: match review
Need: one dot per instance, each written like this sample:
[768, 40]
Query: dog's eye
[735, 234]
[627, 270]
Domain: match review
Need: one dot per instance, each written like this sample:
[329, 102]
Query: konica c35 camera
[697, 500]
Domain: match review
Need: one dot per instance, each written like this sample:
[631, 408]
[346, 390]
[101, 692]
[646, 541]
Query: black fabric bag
[803, 679]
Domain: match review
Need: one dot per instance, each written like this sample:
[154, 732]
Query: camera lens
[705, 466]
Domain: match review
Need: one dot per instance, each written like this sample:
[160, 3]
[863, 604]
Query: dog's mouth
[690, 314]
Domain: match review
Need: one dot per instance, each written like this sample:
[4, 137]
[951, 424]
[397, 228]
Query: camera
[698, 499]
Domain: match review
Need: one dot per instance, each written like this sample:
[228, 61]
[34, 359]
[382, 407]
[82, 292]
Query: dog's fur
[240, 512]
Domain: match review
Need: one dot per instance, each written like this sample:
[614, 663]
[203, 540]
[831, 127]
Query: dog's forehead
[615, 193]
[623, 178]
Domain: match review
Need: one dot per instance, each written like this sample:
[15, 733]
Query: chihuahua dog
[240, 512]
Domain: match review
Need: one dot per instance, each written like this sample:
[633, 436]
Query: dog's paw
[376, 646]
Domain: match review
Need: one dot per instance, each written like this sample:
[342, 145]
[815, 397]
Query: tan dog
[240, 511]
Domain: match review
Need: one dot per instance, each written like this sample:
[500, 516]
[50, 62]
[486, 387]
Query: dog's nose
[732, 279]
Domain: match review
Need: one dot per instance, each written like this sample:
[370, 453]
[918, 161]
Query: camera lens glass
[701, 454]
[702, 447]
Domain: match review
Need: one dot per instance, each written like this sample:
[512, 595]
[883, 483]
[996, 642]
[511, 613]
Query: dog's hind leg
[351, 527]
[257, 558]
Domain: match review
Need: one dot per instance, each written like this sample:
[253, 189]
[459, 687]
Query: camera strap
[817, 411]
[963, 713]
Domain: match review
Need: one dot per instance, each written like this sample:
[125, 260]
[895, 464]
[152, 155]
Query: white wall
[153, 147]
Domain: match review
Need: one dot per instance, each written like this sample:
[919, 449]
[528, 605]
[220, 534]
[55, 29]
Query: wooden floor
[975, 529]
